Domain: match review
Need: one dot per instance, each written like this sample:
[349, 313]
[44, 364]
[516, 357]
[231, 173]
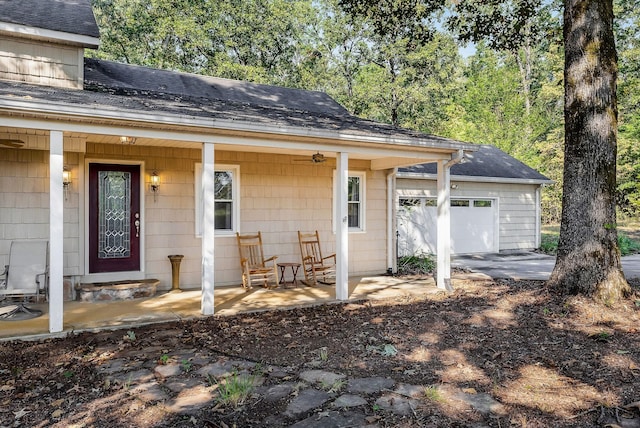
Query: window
[459, 202]
[223, 217]
[409, 202]
[355, 201]
[482, 203]
[226, 199]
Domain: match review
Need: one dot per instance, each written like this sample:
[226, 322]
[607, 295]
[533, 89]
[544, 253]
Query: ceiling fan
[8, 142]
[315, 158]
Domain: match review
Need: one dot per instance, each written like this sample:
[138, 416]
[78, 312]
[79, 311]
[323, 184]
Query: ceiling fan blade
[315, 158]
[7, 142]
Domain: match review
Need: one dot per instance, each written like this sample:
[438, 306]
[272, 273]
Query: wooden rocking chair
[254, 265]
[316, 268]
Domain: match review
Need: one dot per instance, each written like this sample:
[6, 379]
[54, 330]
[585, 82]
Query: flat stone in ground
[320, 376]
[483, 403]
[413, 391]
[225, 368]
[177, 385]
[191, 399]
[278, 392]
[114, 366]
[168, 370]
[397, 404]
[349, 400]
[149, 392]
[369, 385]
[135, 377]
[307, 399]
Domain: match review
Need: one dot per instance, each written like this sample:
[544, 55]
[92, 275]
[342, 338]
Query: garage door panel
[472, 227]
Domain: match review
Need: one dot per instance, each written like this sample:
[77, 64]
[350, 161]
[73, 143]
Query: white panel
[208, 228]
[56, 232]
[473, 229]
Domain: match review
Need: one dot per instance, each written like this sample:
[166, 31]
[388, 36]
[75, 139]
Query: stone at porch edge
[118, 290]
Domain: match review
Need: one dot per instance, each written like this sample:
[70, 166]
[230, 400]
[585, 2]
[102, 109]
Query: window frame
[235, 201]
[362, 175]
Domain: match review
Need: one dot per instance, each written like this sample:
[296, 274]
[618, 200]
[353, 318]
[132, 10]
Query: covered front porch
[117, 188]
[229, 300]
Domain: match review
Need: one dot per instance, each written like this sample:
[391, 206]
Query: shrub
[416, 264]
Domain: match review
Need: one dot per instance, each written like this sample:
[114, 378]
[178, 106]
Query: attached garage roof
[487, 163]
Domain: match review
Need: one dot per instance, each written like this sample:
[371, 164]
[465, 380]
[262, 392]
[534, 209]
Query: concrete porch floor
[167, 306]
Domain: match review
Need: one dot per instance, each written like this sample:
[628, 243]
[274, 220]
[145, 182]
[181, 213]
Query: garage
[473, 225]
[495, 205]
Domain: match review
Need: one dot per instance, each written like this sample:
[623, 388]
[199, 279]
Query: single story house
[495, 205]
[119, 166]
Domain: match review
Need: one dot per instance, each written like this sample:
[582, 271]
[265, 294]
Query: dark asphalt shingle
[68, 16]
[486, 161]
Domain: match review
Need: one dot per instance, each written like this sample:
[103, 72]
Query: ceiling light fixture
[127, 140]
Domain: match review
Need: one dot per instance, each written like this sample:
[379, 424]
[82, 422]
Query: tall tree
[588, 256]
[588, 259]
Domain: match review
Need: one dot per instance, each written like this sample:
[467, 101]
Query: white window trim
[235, 170]
[363, 200]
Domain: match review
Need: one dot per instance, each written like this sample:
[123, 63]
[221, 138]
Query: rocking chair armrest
[270, 259]
[331, 256]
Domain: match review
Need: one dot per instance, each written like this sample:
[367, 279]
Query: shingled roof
[131, 78]
[489, 162]
[120, 88]
[67, 16]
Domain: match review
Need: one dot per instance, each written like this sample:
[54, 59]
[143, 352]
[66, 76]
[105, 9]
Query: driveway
[525, 265]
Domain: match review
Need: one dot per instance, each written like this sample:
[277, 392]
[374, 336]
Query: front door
[114, 218]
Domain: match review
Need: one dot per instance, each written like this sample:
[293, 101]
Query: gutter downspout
[443, 253]
[538, 216]
[391, 222]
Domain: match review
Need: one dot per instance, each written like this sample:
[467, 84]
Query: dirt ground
[548, 361]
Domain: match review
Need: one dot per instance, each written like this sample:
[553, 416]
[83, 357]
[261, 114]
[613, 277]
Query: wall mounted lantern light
[127, 140]
[66, 181]
[155, 185]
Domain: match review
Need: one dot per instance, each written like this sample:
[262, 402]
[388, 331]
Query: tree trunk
[588, 256]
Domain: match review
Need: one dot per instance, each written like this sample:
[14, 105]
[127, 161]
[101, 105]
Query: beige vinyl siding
[516, 204]
[41, 63]
[24, 204]
[278, 196]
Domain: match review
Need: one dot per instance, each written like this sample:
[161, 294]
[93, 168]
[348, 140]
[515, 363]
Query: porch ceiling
[383, 155]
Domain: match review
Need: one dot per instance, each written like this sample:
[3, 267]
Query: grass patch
[416, 264]
[235, 389]
[628, 240]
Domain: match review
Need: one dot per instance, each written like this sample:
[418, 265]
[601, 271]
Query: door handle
[137, 224]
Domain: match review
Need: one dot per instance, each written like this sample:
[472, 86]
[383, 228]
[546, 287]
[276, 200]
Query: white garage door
[473, 226]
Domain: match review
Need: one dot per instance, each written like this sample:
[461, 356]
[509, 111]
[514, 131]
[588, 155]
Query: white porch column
[391, 221]
[56, 234]
[443, 255]
[342, 227]
[208, 228]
